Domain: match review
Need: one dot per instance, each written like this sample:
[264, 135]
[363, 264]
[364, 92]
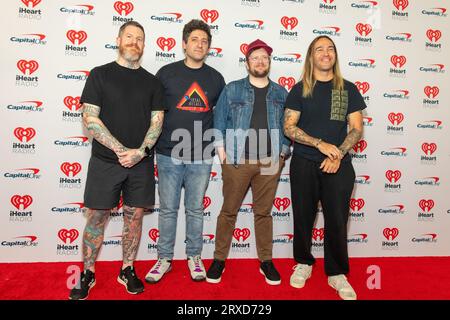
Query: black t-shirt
[261, 147]
[126, 98]
[324, 115]
[190, 95]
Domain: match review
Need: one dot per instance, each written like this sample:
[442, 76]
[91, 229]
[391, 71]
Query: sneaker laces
[197, 263]
[300, 270]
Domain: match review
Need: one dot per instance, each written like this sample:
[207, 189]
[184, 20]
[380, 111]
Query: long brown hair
[308, 79]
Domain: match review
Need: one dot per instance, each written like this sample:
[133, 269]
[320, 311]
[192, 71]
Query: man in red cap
[252, 148]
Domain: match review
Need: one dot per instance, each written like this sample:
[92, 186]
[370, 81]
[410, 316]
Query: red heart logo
[72, 103]
[426, 205]
[153, 234]
[68, 168]
[289, 23]
[164, 43]
[281, 203]
[360, 146]
[362, 87]
[241, 233]
[210, 15]
[429, 148]
[70, 235]
[32, 3]
[395, 118]
[27, 67]
[123, 8]
[393, 176]
[364, 29]
[357, 204]
[76, 36]
[434, 35]
[431, 92]
[328, 1]
[318, 234]
[24, 133]
[287, 83]
[390, 233]
[401, 4]
[398, 61]
[206, 202]
[244, 48]
[23, 201]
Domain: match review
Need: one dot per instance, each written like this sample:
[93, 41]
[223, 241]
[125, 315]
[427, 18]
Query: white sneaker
[196, 268]
[342, 286]
[302, 272]
[158, 270]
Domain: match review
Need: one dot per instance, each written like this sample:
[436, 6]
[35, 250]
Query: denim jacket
[234, 111]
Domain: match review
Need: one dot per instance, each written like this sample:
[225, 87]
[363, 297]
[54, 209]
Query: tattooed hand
[330, 166]
[130, 157]
[330, 150]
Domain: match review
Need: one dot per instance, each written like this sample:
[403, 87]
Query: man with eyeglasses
[251, 146]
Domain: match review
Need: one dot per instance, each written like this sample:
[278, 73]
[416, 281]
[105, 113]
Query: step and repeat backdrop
[396, 51]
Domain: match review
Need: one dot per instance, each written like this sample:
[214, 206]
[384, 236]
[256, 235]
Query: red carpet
[401, 279]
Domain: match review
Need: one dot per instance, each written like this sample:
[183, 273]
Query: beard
[259, 73]
[130, 55]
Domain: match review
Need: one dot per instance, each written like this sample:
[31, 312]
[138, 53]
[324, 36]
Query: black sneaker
[81, 290]
[128, 278]
[215, 271]
[270, 273]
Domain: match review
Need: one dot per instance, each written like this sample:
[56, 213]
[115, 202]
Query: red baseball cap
[258, 44]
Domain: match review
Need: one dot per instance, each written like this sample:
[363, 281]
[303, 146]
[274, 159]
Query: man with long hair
[318, 111]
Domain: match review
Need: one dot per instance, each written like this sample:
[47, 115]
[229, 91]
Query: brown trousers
[236, 181]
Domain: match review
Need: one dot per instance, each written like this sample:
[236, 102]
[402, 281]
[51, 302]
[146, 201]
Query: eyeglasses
[263, 58]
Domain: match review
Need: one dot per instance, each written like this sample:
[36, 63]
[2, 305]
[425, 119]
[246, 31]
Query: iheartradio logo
[68, 235]
[206, 202]
[123, 8]
[166, 44]
[241, 233]
[244, 48]
[31, 3]
[23, 201]
[401, 4]
[24, 134]
[360, 146]
[395, 118]
[287, 83]
[429, 148]
[431, 92]
[426, 205]
[153, 234]
[328, 1]
[364, 29]
[289, 23]
[27, 67]
[281, 203]
[68, 168]
[398, 61]
[72, 103]
[209, 16]
[76, 37]
[318, 234]
[393, 176]
[363, 87]
[357, 204]
[434, 35]
[390, 233]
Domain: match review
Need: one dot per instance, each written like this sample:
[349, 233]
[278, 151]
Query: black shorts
[105, 181]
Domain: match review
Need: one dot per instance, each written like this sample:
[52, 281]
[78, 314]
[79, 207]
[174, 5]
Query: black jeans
[308, 186]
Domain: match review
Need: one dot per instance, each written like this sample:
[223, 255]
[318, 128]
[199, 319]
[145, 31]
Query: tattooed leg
[93, 236]
[131, 234]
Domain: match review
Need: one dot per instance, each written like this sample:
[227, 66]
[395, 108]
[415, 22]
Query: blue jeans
[173, 174]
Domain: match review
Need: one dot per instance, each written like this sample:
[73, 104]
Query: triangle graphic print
[194, 99]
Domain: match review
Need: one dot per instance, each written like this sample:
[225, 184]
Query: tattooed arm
[98, 129]
[291, 130]
[132, 156]
[355, 124]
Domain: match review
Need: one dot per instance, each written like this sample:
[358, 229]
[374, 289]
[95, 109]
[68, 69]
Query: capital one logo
[390, 233]
[401, 4]
[68, 235]
[68, 168]
[24, 134]
[426, 205]
[434, 35]
[281, 203]
[72, 103]
[123, 8]
[244, 48]
[431, 92]
[153, 234]
[76, 37]
[318, 234]
[393, 176]
[429, 148]
[31, 3]
[364, 29]
[241, 234]
[360, 146]
[362, 87]
[287, 83]
[209, 15]
[357, 204]
[206, 202]
[27, 67]
[23, 201]
[289, 23]
[398, 61]
[395, 118]
[166, 44]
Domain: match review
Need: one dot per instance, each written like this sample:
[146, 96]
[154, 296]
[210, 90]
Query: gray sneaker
[161, 267]
[196, 268]
[302, 272]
